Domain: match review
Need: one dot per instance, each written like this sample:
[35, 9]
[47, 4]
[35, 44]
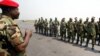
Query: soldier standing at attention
[75, 27]
[80, 33]
[91, 27]
[50, 27]
[45, 27]
[39, 27]
[70, 30]
[85, 28]
[98, 31]
[36, 26]
[63, 27]
[42, 25]
[12, 43]
[55, 27]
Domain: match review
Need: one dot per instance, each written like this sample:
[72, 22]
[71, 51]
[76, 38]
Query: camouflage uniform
[80, 30]
[11, 37]
[36, 26]
[39, 27]
[42, 25]
[55, 27]
[63, 29]
[91, 29]
[70, 30]
[45, 27]
[85, 28]
[75, 27]
[50, 27]
[98, 31]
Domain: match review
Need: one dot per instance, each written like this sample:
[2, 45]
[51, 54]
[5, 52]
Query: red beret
[8, 3]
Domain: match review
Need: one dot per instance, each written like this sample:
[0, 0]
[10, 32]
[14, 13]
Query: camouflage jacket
[63, 26]
[80, 27]
[55, 24]
[70, 26]
[91, 28]
[11, 32]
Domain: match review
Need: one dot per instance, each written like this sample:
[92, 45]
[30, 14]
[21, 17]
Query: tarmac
[41, 45]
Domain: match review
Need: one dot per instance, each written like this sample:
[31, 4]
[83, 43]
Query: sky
[34, 9]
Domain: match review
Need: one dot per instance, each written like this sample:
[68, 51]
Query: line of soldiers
[71, 30]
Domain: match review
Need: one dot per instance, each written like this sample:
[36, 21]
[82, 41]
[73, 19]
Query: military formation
[76, 32]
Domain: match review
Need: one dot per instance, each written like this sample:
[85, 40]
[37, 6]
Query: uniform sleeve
[15, 35]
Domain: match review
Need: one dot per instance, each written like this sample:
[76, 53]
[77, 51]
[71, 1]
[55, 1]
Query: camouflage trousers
[46, 31]
[63, 34]
[80, 37]
[71, 36]
[91, 37]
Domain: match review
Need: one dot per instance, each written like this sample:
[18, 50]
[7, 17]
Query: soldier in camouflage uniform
[85, 28]
[80, 33]
[75, 27]
[50, 26]
[70, 30]
[55, 27]
[63, 27]
[36, 26]
[12, 43]
[42, 25]
[91, 29]
[98, 31]
[45, 27]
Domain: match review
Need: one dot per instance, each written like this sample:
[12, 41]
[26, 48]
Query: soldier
[91, 29]
[75, 27]
[39, 27]
[12, 43]
[42, 25]
[70, 30]
[50, 26]
[63, 26]
[45, 27]
[36, 26]
[85, 28]
[80, 33]
[55, 27]
[98, 31]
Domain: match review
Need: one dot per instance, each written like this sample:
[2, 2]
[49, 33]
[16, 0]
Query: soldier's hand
[28, 32]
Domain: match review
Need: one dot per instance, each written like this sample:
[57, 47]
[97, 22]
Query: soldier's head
[80, 20]
[70, 19]
[45, 19]
[41, 18]
[87, 19]
[75, 18]
[10, 8]
[55, 18]
[63, 19]
[92, 19]
[50, 19]
[99, 19]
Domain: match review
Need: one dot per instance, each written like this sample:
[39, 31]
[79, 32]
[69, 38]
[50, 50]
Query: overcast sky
[33, 9]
